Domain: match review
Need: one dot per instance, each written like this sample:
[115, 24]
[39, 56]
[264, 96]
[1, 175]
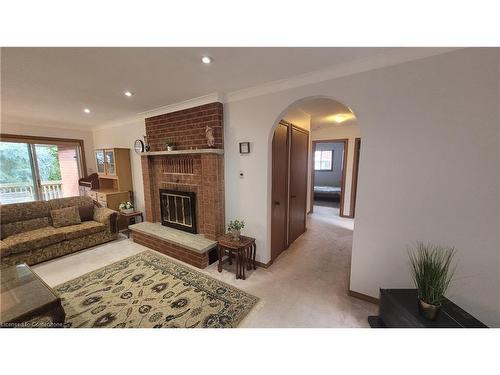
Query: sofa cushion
[86, 212]
[23, 211]
[78, 201]
[84, 229]
[4, 249]
[33, 239]
[65, 216]
[16, 227]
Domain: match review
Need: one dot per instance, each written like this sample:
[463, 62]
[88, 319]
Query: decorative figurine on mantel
[209, 132]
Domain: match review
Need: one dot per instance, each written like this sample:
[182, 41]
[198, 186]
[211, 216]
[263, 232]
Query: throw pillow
[86, 212]
[64, 217]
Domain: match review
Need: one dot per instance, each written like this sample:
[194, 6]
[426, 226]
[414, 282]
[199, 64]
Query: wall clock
[139, 146]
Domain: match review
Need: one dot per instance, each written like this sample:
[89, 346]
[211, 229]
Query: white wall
[350, 132]
[39, 131]
[124, 135]
[416, 181]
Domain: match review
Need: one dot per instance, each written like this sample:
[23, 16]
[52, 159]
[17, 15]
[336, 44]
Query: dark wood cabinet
[398, 308]
[290, 150]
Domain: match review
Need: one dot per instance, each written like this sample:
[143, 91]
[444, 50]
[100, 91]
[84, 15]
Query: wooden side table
[128, 217]
[245, 250]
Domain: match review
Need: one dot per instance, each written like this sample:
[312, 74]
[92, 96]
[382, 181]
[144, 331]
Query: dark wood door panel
[298, 183]
[279, 191]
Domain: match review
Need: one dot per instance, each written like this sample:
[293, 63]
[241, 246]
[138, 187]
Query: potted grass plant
[432, 273]
[235, 227]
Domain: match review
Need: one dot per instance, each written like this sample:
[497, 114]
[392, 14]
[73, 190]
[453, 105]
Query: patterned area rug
[150, 290]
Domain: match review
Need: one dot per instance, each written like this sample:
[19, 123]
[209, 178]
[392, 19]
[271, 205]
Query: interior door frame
[345, 155]
[355, 174]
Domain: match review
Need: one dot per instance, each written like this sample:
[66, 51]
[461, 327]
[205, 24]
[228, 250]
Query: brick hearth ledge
[190, 248]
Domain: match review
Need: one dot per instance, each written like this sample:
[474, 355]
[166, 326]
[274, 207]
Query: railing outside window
[25, 192]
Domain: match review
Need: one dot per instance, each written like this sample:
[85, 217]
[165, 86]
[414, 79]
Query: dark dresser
[398, 308]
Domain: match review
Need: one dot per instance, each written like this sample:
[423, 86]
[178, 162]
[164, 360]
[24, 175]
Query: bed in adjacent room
[326, 192]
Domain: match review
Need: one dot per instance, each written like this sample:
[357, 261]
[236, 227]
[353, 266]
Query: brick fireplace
[191, 168]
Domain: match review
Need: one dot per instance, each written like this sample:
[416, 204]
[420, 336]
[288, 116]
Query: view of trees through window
[16, 166]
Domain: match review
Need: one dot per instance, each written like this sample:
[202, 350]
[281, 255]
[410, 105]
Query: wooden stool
[245, 250]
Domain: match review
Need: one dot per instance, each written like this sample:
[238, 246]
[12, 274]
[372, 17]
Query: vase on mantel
[170, 148]
[236, 234]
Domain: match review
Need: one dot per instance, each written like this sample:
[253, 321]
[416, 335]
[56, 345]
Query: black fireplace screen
[178, 209]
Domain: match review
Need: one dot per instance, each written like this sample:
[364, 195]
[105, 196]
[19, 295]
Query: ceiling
[52, 86]
[321, 112]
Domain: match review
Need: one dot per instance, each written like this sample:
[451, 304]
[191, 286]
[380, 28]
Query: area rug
[150, 290]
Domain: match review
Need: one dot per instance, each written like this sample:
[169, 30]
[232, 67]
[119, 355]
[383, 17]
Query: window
[323, 160]
[38, 169]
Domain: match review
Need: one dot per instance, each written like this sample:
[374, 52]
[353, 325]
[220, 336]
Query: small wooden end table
[128, 217]
[245, 250]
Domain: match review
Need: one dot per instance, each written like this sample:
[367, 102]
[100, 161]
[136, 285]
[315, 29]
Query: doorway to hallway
[329, 175]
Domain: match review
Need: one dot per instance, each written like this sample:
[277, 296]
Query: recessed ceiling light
[206, 59]
[86, 110]
[128, 93]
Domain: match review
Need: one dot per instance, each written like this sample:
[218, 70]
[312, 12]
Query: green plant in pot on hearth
[170, 145]
[235, 227]
[432, 273]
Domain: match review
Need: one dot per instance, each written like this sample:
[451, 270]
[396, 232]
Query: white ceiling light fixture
[341, 117]
[86, 110]
[206, 60]
[128, 93]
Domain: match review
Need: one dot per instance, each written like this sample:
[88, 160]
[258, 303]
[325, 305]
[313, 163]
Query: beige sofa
[27, 234]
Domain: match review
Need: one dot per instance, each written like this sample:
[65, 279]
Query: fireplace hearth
[178, 209]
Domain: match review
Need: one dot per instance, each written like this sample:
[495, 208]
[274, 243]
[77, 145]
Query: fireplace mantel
[217, 151]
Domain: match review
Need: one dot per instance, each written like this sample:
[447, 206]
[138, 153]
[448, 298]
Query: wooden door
[299, 146]
[279, 222]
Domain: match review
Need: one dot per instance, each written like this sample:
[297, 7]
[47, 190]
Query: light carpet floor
[305, 287]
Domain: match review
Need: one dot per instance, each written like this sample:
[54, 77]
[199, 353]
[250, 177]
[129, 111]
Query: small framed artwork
[244, 147]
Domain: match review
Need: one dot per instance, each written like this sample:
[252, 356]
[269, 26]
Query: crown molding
[190, 103]
[36, 122]
[341, 70]
[379, 61]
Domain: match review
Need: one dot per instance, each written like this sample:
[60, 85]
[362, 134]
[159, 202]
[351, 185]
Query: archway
[331, 124]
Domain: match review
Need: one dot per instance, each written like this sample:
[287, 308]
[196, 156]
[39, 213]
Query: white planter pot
[236, 234]
[127, 210]
[170, 148]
